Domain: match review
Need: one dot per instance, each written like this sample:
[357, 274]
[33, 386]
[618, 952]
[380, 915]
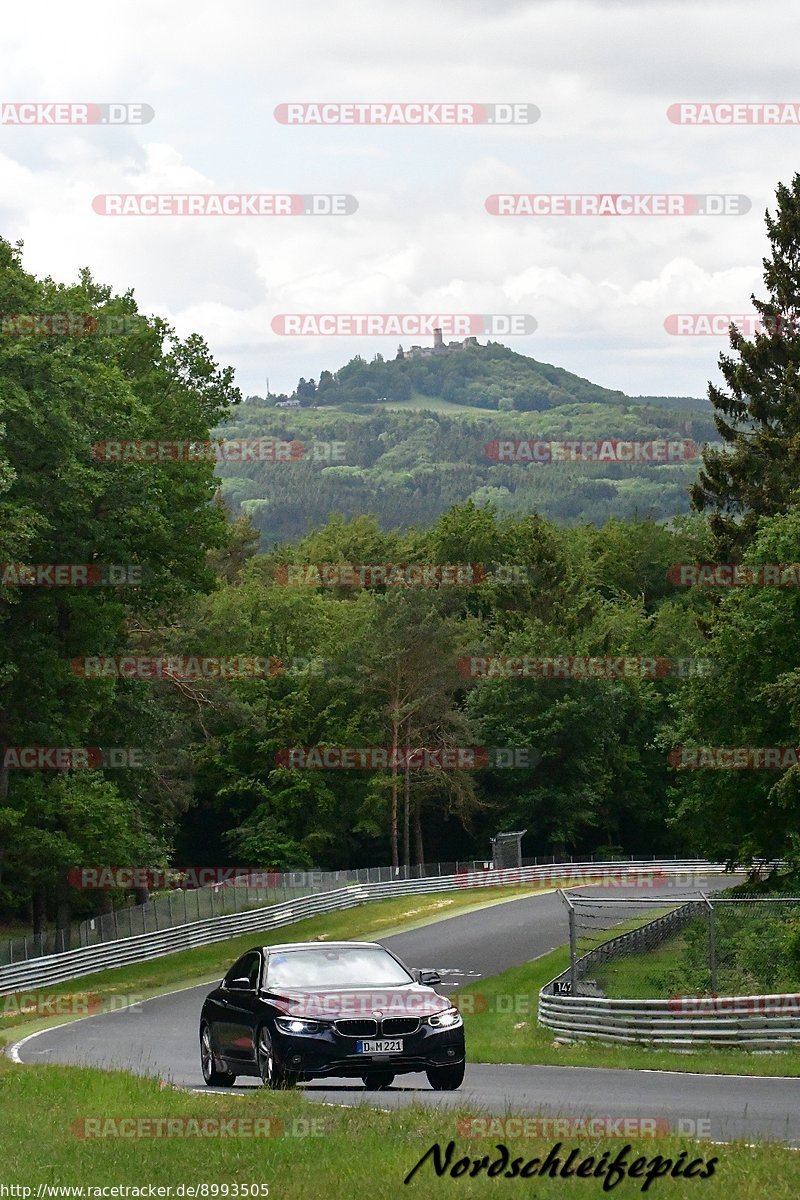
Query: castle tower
[438, 342]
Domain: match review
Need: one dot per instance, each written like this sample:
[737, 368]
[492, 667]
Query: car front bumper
[330, 1053]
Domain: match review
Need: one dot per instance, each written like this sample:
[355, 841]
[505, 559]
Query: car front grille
[357, 1028]
[366, 1028]
[399, 1026]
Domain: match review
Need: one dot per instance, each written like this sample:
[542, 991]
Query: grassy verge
[305, 1150]
[500, 1018]
[209, 963]
[643, 976]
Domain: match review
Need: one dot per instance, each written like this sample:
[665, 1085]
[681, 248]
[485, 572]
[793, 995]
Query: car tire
[376, 1082]
[211, 1075]
[273, 1074]
[446, 1078]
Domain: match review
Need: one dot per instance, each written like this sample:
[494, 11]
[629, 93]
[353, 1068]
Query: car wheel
[273, 1075]
[447, 1078]
[212, 1076]
[376, 1082]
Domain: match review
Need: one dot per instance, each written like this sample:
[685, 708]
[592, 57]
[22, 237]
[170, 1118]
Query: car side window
[253, 970]
[247, 967]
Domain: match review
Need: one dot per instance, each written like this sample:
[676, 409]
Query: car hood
[410, 1000]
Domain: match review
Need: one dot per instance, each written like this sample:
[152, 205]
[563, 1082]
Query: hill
[407, 439]
[489, 377]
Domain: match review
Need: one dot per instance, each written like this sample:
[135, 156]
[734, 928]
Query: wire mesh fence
[20, 949]
[696, 945]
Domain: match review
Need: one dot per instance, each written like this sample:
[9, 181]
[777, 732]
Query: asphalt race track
[160, 1037]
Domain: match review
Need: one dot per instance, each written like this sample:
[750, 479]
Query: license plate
[385, 1046]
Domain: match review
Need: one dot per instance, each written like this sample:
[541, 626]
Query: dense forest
[376, 660]
[407, 438]
[407, 466]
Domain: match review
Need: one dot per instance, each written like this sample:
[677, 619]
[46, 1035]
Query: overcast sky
[602, 74]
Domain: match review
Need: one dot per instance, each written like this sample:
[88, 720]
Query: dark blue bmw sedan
[307, 1010]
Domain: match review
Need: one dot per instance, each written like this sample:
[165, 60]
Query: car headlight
[296, 1026]
[449, 1018]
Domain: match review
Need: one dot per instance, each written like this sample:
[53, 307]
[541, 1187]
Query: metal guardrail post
[572, 940]
[712, 943]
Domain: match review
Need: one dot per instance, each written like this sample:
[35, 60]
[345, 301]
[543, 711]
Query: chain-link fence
[183, 905]
[693, 945]
[19, 949]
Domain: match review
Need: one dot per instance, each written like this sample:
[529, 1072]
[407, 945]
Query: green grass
[315, 1151]
[434, 404]
[638, 976]
[209, 963]
[500, 1019]
[643, 976]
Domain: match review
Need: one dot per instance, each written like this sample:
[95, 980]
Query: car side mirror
[240, 984]
[429, 978]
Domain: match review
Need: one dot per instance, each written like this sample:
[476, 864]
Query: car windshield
[365, 966]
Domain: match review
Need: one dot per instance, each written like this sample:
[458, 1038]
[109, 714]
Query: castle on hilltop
[438, 347]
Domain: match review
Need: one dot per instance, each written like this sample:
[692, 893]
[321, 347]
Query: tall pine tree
[756, 473]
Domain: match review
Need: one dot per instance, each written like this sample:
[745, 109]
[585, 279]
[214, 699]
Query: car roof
[322, 946]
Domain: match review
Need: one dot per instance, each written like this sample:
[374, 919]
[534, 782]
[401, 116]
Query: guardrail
[88, 960]
[253, 889]
[764, 1022]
